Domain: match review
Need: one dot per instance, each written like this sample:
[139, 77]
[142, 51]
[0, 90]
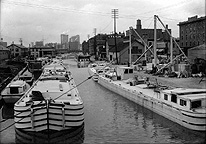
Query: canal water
[110, 118]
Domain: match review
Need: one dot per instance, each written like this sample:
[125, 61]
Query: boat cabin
[124, 73]
[189, 99]
[16, 87]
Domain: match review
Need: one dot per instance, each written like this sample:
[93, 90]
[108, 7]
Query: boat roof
[185, 91]
[125, 67]
[53, 88]
[26, 74]
[54, 67]
[194, 97]
[17, 83]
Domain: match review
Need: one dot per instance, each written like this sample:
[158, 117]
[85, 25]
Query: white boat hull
[92, 72]
[184, 118]
[43, 117]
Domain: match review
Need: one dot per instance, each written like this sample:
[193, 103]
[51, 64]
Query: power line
[106, 26]
[126, 16]
[55, 8]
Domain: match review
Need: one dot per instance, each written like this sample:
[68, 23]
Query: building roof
[42, 47]
[200, 47]
[2, 48]
[18, 45]
[192, 20]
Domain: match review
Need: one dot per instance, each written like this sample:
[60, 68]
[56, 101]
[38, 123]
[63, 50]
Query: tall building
[192, 32]
[39, 43]
[75, 38]
[74, 43]
[64, 38]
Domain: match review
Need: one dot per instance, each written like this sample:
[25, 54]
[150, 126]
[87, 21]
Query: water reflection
[75, 135]
[8, 111]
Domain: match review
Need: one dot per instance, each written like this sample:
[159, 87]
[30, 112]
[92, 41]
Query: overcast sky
[35, 20]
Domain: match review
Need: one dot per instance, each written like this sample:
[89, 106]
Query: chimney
[166, 26]
[138, 26]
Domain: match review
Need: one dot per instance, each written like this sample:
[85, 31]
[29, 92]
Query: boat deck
[176, 82]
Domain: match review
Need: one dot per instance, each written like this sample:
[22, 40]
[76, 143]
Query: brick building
[18, 50]
[192, 32]
[148, 34]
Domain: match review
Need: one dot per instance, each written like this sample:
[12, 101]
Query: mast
[130, 46]
[171, 52]
[172, 39]
[155, 41]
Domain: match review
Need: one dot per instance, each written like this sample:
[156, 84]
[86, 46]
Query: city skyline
[48, 19]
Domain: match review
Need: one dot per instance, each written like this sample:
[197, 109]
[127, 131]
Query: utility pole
[115, 16]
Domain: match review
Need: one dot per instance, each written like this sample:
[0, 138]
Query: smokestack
[138, 26]
[167, 26]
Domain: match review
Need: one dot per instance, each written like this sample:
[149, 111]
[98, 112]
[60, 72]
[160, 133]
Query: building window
[139, 51]
[130, 70]
[165, 97]
[183, 102]
[110, 57]
[126, 71]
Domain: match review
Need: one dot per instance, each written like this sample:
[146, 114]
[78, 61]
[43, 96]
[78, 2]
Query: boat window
[126, 71]
[183, 102]
[130, 70]
[165, 97]
[196, 104]
[173, 98]
[14, 90]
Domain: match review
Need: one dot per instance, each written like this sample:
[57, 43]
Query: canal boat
[185, 106]
[52, 103]
[65, 136]
[35, 65]
[14, 91]
[26, 76]
[97, 69]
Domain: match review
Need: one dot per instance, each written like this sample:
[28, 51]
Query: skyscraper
[64, 38]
